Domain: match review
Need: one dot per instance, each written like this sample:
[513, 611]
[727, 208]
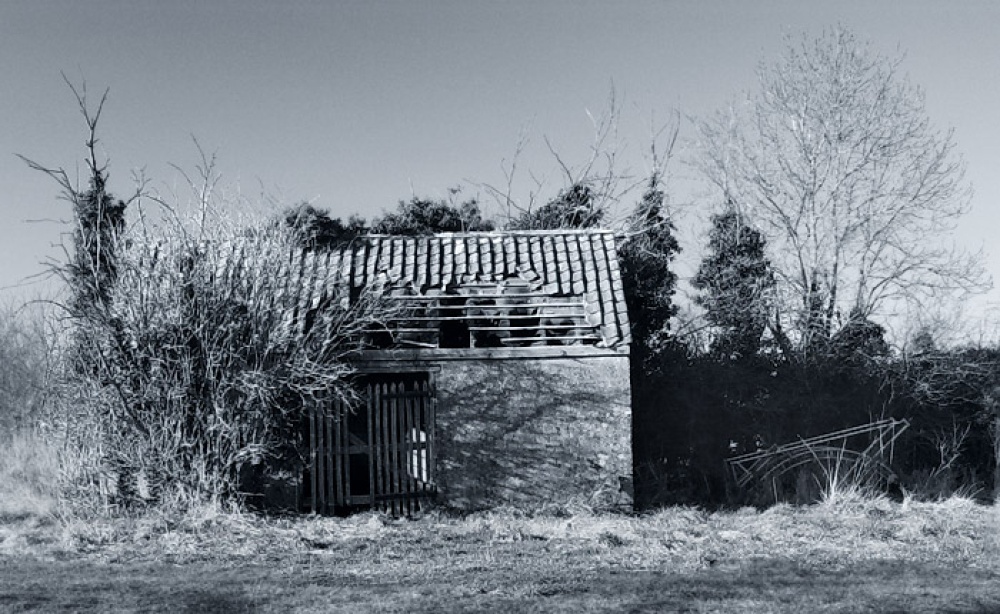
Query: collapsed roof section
[490, 289]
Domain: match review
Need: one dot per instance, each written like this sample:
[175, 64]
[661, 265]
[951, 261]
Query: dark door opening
[378, 454]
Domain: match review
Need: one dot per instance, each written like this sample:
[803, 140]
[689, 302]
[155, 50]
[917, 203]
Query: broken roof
[559, 263]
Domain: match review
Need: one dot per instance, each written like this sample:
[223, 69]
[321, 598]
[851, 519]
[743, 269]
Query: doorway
[378, 453]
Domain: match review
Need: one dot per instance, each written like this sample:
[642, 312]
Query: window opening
[453, 329]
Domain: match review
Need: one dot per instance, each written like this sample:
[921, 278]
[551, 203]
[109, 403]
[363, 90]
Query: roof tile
[570, 263]
[562, 260]
[434, 262]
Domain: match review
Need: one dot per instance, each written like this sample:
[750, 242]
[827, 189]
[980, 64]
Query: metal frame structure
[777, 460]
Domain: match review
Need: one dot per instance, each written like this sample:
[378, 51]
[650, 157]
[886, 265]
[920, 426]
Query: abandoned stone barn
[501, 375]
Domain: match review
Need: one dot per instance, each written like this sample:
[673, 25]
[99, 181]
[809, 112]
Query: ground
[846, 556]
[310, 584]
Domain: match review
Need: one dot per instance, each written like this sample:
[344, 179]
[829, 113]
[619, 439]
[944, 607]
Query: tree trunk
[996, 454]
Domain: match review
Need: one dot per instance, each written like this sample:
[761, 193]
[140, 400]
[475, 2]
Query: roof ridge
[500, 233]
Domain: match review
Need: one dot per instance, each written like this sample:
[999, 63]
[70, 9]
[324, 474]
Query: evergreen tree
[419, 216]
[859, 341]
[646, 251]
[735, 280]
[316, 229]
[645, 255]
[92, 270]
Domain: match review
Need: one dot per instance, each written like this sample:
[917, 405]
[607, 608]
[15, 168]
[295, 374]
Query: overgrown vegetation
[205, 362]
[191, 354]
[314, 228]
[836, 194]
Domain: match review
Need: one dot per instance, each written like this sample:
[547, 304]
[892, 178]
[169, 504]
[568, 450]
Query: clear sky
[355, 105]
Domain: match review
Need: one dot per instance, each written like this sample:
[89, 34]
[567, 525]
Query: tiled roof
[578, 263]
[568, 274]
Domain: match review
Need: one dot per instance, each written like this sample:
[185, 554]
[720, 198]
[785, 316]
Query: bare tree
[98, 217]
[835, 159]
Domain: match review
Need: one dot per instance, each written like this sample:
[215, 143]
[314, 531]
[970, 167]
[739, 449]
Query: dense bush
[205, 357]
[701, 408]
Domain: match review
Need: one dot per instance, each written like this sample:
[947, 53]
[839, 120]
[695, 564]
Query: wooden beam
[313, 457]
[491, 316]
[587, 327]
[422, 356]
[440, 297]
[339, 426]
[511, 340]
[373, 464]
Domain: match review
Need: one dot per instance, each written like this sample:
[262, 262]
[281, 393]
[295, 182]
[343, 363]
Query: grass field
[849, 554]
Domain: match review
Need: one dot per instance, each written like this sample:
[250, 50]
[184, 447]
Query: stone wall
[532, 432]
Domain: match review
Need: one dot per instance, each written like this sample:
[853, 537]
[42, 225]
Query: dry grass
[850, 552]
[845, 554]
[29, 477]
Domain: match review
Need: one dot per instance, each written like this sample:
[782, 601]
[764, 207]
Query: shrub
[205, 357]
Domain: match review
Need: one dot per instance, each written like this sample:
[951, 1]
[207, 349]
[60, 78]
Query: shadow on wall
[535, 432]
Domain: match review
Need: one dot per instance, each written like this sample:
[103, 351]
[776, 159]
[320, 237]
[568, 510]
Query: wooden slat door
[381, 454]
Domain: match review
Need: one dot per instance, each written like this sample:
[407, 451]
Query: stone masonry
[534, 432]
